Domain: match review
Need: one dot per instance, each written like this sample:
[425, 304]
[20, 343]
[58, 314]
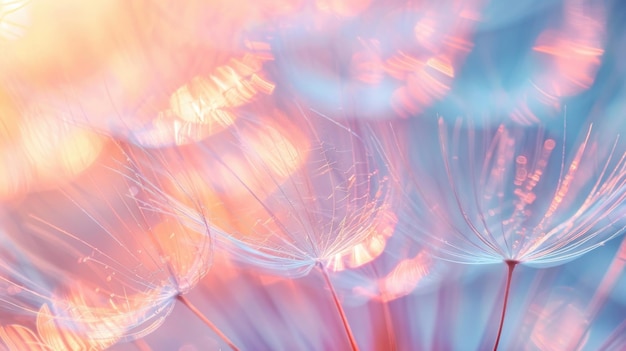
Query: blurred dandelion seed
[205, 105]
[136, 263]
[573, 52]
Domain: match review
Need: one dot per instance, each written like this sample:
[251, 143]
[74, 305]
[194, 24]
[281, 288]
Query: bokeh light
[312, 175]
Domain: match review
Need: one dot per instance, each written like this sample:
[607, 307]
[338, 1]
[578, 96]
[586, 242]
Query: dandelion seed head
[285, 198]
[529, 194]
[122, 266]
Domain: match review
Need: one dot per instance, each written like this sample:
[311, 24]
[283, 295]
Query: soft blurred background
[312, 174]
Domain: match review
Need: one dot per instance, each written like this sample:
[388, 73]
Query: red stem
[511, 266]
[206, 321]
[342, 313]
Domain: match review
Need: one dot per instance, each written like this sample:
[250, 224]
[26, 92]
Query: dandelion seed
[516, 194]
[133, 265]
[484, 191]
[289, 210]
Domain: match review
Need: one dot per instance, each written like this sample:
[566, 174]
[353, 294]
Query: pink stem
[206, 321]
[342, 313]
[511, 266]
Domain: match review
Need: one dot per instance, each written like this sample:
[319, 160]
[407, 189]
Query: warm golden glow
[193, 103]
[9, 118]
[52, 49]
[185, 252]
[346, 8]
[203, 106]
[87, 320]
[261, 157]
[210, 100]
[50, 335]
[425, 81]
[60, 338]
[371, 248]
[406, 276]
[57, 149]
[274, 149]
[17, 337]
[441, 65]
[43, 150]
[14, 18]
